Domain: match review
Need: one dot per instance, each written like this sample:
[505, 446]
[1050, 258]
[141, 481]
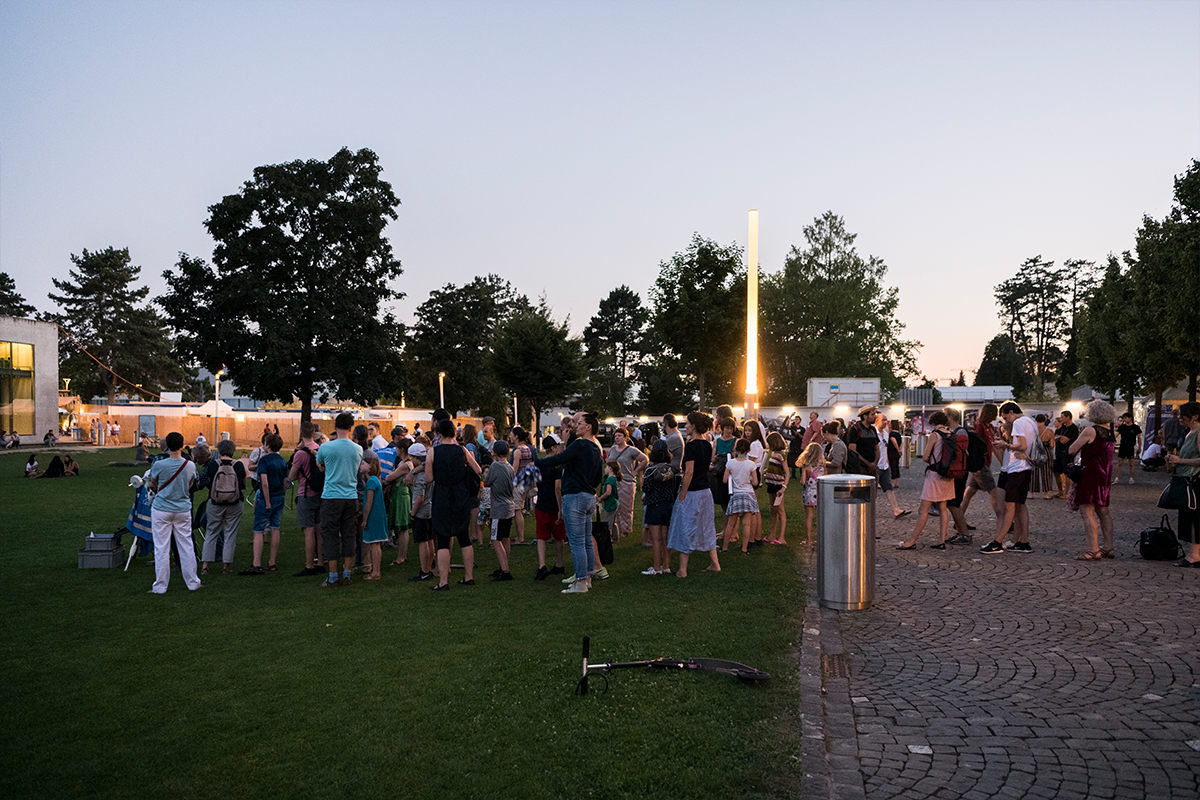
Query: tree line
[1131, 327]
[295, 306]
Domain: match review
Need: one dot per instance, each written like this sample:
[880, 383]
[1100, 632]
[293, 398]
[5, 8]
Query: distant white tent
[210, 409]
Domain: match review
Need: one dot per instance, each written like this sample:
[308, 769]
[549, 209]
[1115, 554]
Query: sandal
[1089, 555]
[270, 568]
[204, 571]
[397, 563]
[901, 514]
[940, 546]
[902, 546]
[1109, 553]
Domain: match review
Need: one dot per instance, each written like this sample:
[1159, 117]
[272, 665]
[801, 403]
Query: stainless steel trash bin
[846, 542]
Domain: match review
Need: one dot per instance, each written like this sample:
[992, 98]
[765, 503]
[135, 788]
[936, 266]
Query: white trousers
[164, 525]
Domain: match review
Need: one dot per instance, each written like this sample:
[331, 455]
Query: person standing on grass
[522, 456]
[446, 469]
[659, 487]
[608, 499]
[752, 432]
[171, 480]
[308, 497]
[812, 466]
[692, 525]
[1015, 478]
[422, 514]
[722, 452]
[226, 480]
[1130, 445]
[583, 469]
[631, 461]
[547, 512]
[741, 475]
[1187, 463]
[499, 480]
[776, 478]
[813, 432]
[937, 488]
[1090, 495]
[397, 481]
[375, 437]
[339, 460]
[374, 519]
[674, 441]
[272, 473]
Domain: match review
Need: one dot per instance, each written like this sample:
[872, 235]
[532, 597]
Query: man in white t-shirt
[1015, 476]
[377, 441]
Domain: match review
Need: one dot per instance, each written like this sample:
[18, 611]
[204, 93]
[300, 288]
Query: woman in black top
[446, 469]
[692, 524]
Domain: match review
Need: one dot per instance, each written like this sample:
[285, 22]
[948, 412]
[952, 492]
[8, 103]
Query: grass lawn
[270, 686]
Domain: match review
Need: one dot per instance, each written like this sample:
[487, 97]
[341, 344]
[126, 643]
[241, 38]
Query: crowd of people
[358, 492]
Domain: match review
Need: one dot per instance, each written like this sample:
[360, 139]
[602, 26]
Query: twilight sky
[571, 146]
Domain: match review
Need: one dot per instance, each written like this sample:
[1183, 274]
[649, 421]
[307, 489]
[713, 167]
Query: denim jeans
[577, 517]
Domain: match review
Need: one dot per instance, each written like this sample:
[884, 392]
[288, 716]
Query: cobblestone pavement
[1009, 675]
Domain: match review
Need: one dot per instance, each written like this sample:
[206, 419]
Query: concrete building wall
[44, 338]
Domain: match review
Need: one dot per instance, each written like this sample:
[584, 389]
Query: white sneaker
[576, 587]
[600, 574]
[569, 579]
[1131, 481]
[651, 571]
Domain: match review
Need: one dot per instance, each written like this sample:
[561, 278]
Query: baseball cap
[416, 450]
[551, 440]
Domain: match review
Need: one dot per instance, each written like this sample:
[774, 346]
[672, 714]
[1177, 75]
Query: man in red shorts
[547, 512]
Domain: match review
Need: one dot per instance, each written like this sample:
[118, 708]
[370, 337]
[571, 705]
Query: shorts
[885, 480]
[960, 487]
[549, 526]
[308, 511]
[444, 542]
[982, 480]
[501, 528]
[268, 519]
[773, 489]
[422, 530]
[1016, 486]
[658, 513]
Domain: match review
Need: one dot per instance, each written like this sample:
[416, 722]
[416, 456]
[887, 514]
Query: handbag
[602, 540]
[1179, 494]
[1159, 544]
[1074, 471]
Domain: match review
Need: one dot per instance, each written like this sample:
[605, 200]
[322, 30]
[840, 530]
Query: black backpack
[314, 478]
[1160, 544]
[977, 452]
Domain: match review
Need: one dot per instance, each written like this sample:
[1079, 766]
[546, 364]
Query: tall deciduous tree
[1107, 329]
[13, 304]
[294, 304]
[699, 315]
[453, 334]
[536, 358]
[829, 310]
[1002, 366]
[104, 312]
[1033, 311]
[612, 344]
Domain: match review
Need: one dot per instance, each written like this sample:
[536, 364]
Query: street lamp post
[441, 390]
[217, 407]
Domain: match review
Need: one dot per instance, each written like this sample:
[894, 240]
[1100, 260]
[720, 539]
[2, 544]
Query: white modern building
[28, 376]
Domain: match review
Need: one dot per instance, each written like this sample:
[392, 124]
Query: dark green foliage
[699, 317]
[613, 349]
[453, 334]
[13, 304]
[294, 304]
[828, 309]
[105, 314]
[1107, 331]
[535, 358]
[1002, 366]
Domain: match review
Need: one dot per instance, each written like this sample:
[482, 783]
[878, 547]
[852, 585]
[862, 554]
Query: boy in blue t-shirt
[272, 473]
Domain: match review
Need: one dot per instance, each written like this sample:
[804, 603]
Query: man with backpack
[863, 440]
[1015, 478]
[309, 482]
[225, 478]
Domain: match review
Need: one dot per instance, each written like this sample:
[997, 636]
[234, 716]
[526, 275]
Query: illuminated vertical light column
[751, 411]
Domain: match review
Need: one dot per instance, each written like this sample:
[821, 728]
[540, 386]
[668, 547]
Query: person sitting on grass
[272, 473]
[741, 475]
[499, 480]
[374, 519]
[70, 467]
[31, 467]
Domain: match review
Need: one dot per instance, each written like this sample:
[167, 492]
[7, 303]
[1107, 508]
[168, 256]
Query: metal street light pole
[217, 406]
[441, 390]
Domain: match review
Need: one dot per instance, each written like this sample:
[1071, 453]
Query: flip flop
[901, 514]
[909, 547]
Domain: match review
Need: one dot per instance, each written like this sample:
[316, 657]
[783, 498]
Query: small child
[499, 480]
[812, 466]
[609, 497]
[422, 514]
[741, 475]
[374, 518]
[400, 516]
[775, 475]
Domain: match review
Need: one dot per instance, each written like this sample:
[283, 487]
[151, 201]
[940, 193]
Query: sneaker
[420, 576]
[576, 587]
[960, 538]
[1022, 547]
[328, 584]
[992, 547]
[601, 574]
[541, 575]
[1131, 481]
[343, 582]
[307, 572]
[503, 576]
[252, 571]
[557, 570]
[651, 571]
[569, 579]
[496, 573]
